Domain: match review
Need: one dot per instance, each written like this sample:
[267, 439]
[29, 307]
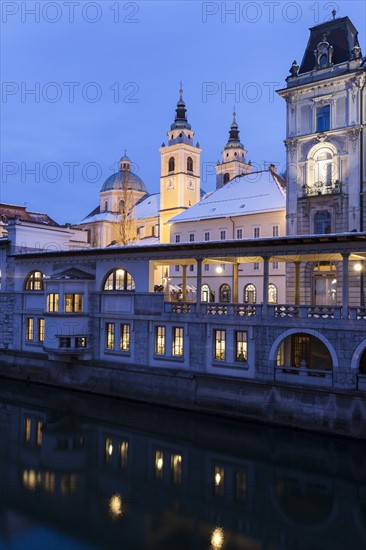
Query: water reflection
[105, 473]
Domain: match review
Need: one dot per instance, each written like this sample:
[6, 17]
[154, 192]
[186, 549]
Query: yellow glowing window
[123, 454]
[219, 345]
[41, 330]
[176, 467]
[27, 429]
[160, 340]
[34, 281]
[218, 480]
[30, 328]
[178, 341]
[159, 464]
[73, 303]
[241, 346]
[125, 338]
[52, 302]
[109, 335]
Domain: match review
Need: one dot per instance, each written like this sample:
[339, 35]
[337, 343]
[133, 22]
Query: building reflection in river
[110, 472]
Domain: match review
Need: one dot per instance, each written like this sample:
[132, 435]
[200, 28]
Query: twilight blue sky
[106, 77]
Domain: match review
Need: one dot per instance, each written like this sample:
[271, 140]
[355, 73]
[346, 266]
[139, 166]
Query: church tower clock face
[170, 184]
[190, 184]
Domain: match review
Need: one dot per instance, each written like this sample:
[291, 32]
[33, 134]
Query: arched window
[272, 294]
[34, 281]
[171, 167]
[121, 207]
[106, 206]
[189, 164]
[250, 294]
[323, 167]
[322, 222]
[225, 293]
[226, 177]
[119, 279]
[205, 293]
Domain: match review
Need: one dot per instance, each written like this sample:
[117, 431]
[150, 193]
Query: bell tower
[233, 158]
[180, 170]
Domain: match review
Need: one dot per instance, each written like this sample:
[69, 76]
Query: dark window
[189, 164]
[225, 293]
[171, 167]
[322, 222]
[323, 118]
[226, 177]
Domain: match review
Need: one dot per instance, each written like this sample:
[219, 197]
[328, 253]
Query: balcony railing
[322, 188]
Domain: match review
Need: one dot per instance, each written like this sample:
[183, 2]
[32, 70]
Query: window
[191, 267]
[322, 222]
[73, 303]
[64, 342]
[177, 341]
[256, 266]
[226, 177]
[239, 233]
[250, 294]
[177, 238]
[123, 455]
[256, 232]
[272, 294]
[109, 335]
[323, 118]
[225, 293]
[222, 235]
[207, 235]
[177, 267]
[323, 168]
[191, 237]
[219, 345]
[124, 343]
[80, 342]
[160, 340]
[52, 302]
[207, 267]
[274, 265]
[189, 164]
[275, 231]
[29, 329]
[41, 330]
[106, 206]
[205, 293]
[241, 338]
[119, 279]
[171, 166]
[34, 281]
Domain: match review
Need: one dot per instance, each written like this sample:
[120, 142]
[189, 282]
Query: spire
[180, 121]
[234, 140]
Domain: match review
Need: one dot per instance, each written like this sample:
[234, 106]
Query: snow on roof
[147, 208]
[100, 217]
[247, 194]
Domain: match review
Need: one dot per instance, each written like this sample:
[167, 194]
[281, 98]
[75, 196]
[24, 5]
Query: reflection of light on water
[217, 479]
[159, 463]
[110, 449]
[115, 506]
[30, 479]
[217, 538]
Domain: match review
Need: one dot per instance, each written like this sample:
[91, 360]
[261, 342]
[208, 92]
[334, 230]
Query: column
[184, 283]
[198, 284]
[235, 282]
[345, 286]
[265, 284]
[297, 283]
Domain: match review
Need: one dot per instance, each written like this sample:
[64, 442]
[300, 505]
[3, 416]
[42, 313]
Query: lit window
[176, 466]
[125, 337]
[52, 302]
[323, 118]
[41, 330]
[191, 237]
[159, 464]
[218, 480]
[225, 293]
[160, 340]
[272, 294]
[323, 169]
[241, 344]
[73, 303]
[256, 266]
[108, 450]
[207, 235]
[39, 433]
[177, 238]
[34, 281]
[222, 235]
[29, 329]
[205, 293]
[123, 454]
[119, 279]
[275, 231]
[27, 429]
[177, 341]
[239, 233]
[220, 341]
[109, 335]
[256, 232]
[80, 342]
[250, 294]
